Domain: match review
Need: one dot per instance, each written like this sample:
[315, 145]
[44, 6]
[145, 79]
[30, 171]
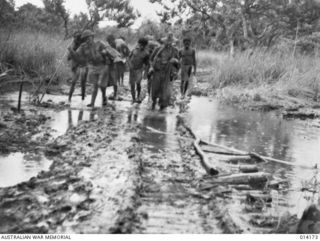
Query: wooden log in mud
[254, 156]
[240, 187]
[237, 159]
[248, 168]
[235, 152]
[204, 159]
[229, 149]
[252, 198]
[244, 178]
[219, 150]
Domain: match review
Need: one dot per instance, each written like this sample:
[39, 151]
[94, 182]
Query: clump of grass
[207, 59]
[37, 54]
[250, 75]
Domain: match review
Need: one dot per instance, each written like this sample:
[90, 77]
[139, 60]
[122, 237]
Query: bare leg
[75, 77]
[185, 87]
[84, 75]
[138, 90]
[182, 87]
[104, 96]
[122, 77]
[115, 91]
[133, 92]
[95, 90]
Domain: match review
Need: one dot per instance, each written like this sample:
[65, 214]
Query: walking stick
[59, 65]
[53, 75]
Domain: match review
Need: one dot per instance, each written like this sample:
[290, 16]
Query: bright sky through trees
[146, 9]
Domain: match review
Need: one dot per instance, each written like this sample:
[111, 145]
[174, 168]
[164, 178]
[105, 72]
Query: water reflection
[264, 133]
[268, 135]
[19, 167]
[66, 119]
[158, 130]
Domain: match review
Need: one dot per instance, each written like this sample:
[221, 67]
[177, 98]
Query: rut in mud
[127, 169]
[168, 194]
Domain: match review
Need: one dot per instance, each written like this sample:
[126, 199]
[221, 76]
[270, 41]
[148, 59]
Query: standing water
[18, 167]
[267, 134]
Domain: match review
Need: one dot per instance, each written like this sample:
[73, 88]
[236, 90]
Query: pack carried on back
[110, 54]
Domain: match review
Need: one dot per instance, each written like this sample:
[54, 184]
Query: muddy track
[56, 200]
[167, 198]
[129, 170]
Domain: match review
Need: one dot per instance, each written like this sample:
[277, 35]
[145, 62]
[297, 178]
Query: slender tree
[57, 7]
[119, 11]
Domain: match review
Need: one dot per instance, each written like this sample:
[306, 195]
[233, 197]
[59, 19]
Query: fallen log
[218, 150]
[241, 187]
[252, 198]
[255, 156]
[229, 149]
[237, 159]
[259, 158]
[204, 159]
[248, 168]
[258, 178]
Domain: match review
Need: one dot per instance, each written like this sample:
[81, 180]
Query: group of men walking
[104, 63]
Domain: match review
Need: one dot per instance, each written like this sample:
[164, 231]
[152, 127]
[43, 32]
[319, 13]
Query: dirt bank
[292, 104]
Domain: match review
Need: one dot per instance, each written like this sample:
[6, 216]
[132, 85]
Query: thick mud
[127, 169]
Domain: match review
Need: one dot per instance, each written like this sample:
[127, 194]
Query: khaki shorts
[102, 75]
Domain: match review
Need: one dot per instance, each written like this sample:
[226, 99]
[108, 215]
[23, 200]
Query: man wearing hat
[78, 68]
[164, 66]
[99, 58]
[187, 56]
[138, 63]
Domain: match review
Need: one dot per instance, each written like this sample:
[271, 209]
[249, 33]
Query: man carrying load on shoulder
[98, 57]
[164, 66]
[78, 68]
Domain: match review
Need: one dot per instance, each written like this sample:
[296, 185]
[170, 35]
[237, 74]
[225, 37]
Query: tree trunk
[20, 95]
[66, 30]
[231, 43]
[244, 26]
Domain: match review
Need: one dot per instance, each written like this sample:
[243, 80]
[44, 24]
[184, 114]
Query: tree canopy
[119, 11]
[244, 22]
